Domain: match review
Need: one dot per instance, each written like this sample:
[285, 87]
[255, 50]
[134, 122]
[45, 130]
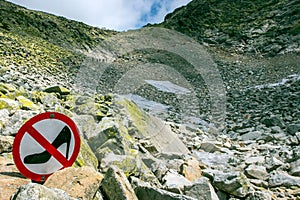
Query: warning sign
[45, 144]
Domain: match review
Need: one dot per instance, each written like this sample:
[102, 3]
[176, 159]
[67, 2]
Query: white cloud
[112, 14]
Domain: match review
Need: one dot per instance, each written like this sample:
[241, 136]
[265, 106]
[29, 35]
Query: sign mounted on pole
[45, 144]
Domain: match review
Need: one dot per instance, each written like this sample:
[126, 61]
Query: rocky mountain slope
[160, 116]
[254, 27]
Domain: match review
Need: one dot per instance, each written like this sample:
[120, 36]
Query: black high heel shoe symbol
[38, 158]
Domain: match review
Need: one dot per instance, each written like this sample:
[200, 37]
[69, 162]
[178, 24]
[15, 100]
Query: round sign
[45, 144]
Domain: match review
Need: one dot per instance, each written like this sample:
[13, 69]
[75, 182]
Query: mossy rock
[58, 89]
[138, 116]
[128, 164]
[85, 109]
[2, 95]
[8, 104]
[26, 104]
[86, 157]
[6, 88]
[131, 166]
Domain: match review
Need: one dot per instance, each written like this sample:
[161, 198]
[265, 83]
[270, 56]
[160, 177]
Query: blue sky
[112, 14]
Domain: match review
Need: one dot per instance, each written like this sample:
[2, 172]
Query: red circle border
[16, 145]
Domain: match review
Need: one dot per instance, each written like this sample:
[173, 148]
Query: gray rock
[37, 191]
[6, 143]
[161, 136]
[86, 156]
[9, 104]
[17, 120]
[255, 160]
[259, 183]
[254, 135]
[136, 182]
[293, 128]
[257, 195]
[276, 129]
[116, 186]
[210, 147]
[283, 179]
[158, 194]
[86, 125]
[273, 121]
[57, 89]
[111, 145]
[259, 172]
[295, 168]
[212, 159]
[236, 184]
[175, 182]
[4, 118]
[298, 136]
[273, 163]
[293, 140]
[159, 168]
[201, 190]
[222, 195]
[174, 164]
[130, 166]
[50, 100]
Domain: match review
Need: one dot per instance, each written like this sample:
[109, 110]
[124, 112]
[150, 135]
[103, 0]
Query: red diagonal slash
[51, 149]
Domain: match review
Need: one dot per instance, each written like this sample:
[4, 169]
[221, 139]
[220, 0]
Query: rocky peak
[254, 27]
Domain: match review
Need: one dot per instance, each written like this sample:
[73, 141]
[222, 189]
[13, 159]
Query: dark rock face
[255, 27]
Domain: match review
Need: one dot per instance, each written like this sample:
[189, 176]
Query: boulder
[260, 195]
[175, 182]
[6, 143]
[57, 89]
[259, 172]
[273, 163]
[253, 135]
[8, 104]
[160, 133]
[201, 190]
[282, 179]
[4, 119]
[10, 178]
[112, 136]
[273, 121]
[255, 160]
[37, 191]
[293, 128]
[191, 170]
[116, 186]
[87, 126]
[86, 157]
[17, 120]
[210, 147]
[236, 183]
[81, 182]
[26, 104]
[130, 166]
[126, 163]
[295, 168]
[145, 192]
[7, 88]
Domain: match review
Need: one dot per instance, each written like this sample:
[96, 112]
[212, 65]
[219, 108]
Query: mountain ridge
[254, 27]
